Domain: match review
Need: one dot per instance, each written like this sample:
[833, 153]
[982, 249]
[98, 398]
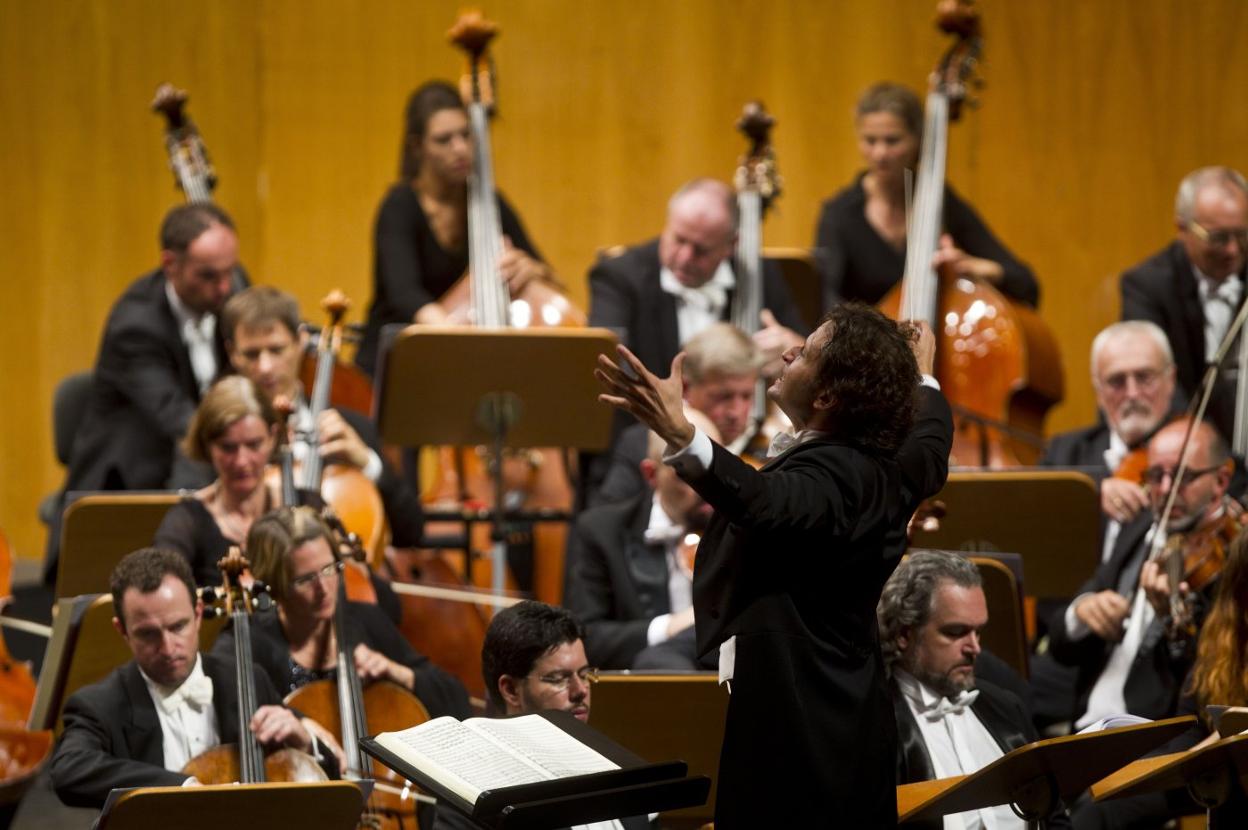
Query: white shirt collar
[159, 691]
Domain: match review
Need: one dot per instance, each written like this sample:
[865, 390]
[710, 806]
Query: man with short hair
[1113, 632]
[533, 660]
[160, 350]
[721, 377]
[630, 575]
[791, 565]
[1133, 377]
[949, 721]
[1193, 288]
[266, 341]
[140, 725]
[656, 296]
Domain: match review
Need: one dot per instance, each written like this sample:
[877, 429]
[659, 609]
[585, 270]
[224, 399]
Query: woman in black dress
[862, 230]
[420, 243]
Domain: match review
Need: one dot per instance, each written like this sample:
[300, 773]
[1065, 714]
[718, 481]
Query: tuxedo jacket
[625, 296]
[1156, 675]
[112, 736]
[1163, 289]
[617, 582]
[143, 394]
[792, 565]
[1001, 713]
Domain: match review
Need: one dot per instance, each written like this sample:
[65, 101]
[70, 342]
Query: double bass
[997, 362]
[246, 762]
[534, 479]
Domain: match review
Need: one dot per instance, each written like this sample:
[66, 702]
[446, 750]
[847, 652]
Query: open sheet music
[487, 754]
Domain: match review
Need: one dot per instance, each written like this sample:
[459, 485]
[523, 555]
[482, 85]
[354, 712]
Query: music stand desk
[1034, 777]
[1205, 773]
[330, 805]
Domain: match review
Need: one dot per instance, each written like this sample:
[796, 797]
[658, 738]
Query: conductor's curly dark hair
[868, 369]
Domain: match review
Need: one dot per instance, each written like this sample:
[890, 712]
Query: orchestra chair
[69, 404]
[84, 648]
[1006, 635]
[99, 529]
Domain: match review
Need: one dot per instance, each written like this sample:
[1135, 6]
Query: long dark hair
[427, 101]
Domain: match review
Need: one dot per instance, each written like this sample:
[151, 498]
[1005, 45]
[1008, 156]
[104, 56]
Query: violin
[245, 762]
[1197, 559]
[351, 711]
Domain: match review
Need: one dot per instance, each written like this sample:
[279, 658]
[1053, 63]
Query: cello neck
[747, 302]
[490, 298]
[350, 693]
[328, 344]
[919, 283]
[240, 601]
[188, 158]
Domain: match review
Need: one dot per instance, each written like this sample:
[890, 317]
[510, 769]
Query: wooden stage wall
[1092, 112]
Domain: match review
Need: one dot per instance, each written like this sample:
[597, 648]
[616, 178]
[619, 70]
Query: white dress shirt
[1113, 457]
[958, 744]
[663, 530]
[191, 728]
[1219, 299]
[699, 308]
[198, 332]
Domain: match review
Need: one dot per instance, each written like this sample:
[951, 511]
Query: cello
[245, 762]
[535, 479]
[997, 362]
[351, 712]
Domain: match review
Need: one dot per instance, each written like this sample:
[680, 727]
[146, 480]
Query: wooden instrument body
[220, 765]
[23, 752]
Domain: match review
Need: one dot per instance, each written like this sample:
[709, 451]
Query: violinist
[420, 246]
[1194, 286]
[140, 725]
[292, 551]
[1133, 377]
[861, 231]
[1112, 632]
[721, 376]
[630, 569]
[266, 341]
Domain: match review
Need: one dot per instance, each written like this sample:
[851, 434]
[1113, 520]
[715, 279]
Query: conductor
[790, 569]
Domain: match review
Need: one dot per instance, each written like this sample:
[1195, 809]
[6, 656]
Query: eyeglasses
[1218, 239]
[562, 679]
[1156, 475]
[327, 573]
[1144, 379]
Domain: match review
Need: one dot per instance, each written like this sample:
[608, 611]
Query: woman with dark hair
[862, 230]
[291, 551]
[420, 243]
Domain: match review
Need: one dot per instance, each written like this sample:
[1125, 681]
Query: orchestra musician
[160, 351]
[791, 566]
[140, 725]
[533, 660]
[861, 232]
[1193, 287]
[630, 580]
[721, 375]
[950, 720]
[1113, 632]
[421, 233]
[266, 341]
[292, 551]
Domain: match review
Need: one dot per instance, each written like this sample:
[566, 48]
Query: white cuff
[930, 382]
[1076, 629]
[695, 458]
[657, 631]
[372, 470]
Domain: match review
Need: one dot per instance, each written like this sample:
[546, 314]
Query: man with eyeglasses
[1112, 632]
[1194, 287]
[533, 660]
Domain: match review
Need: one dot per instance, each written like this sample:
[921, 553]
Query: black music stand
[1033, 778]
[467, 386]
[637, 788]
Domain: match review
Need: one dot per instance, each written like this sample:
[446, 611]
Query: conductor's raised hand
[656, 402]
[923, 344]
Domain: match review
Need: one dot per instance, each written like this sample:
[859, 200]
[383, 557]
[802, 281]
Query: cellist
[140, 725]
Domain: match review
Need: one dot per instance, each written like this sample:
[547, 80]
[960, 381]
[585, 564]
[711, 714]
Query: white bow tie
[780, 442]
[195, 692]
[664, 535]
[1227, 290]
[945, 706]
[710, 297]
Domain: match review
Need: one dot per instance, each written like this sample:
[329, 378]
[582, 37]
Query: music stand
[466, 386]
[1033, 778]
[332, 805]
[1207, 774]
